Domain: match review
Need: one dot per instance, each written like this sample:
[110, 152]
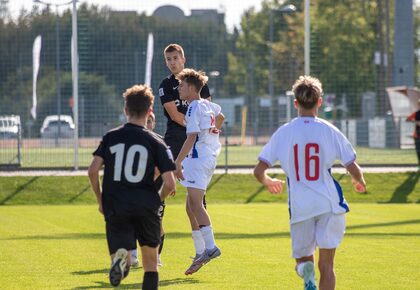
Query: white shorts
[325, 231]
[198, 172]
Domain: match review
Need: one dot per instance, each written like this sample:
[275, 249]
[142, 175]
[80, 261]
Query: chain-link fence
[366, 53]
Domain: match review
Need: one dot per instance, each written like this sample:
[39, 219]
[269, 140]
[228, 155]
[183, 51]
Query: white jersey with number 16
[201, 118]
[307, 148]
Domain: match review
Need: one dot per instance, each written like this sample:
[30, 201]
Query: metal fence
[365, 53]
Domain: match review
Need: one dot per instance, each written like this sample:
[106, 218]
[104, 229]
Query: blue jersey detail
[194, 153]
[341, 203]
[288, 189]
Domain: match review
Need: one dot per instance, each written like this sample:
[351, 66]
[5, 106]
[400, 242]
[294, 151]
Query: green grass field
[63, 247]
[237, 155]
[52, 236]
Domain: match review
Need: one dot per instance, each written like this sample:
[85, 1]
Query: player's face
[174, 61]
[183, 89]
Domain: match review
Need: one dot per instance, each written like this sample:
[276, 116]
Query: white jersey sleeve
[193, 118]
[344, 149]
[269, 152]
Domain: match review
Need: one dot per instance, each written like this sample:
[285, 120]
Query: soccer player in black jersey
[151, 124]
[175, 109]
[129, 199]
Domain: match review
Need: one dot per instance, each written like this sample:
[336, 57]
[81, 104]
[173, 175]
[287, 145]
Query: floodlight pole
[307, 37]
[287, 9]
[57, 49]
[75, 74]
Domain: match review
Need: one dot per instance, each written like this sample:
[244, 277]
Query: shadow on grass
[98, 271]
[388, 224]
[402, 192]
[18, 190]
[258, 191]
[79, 194]
[162, 283]
[229, 236]
[215, 182]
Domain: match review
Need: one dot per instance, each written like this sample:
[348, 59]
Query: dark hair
[138, 100]
[174, 47]
[196, 78]
[307, 91]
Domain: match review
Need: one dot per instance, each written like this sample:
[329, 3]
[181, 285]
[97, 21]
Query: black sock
[150, 281]
[162, 238]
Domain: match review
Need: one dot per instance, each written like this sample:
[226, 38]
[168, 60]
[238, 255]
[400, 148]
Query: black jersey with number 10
[130, 155]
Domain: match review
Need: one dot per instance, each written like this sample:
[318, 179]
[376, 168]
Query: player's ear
[320, 100]
[125, 111]
[295, 103]
[184, 59]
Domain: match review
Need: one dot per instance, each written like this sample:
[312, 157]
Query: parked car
[9, 127]
[52, 124]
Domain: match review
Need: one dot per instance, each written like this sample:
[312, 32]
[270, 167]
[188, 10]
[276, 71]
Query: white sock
[198, 242]
[208, 237]
[134, 254]
[299, 269]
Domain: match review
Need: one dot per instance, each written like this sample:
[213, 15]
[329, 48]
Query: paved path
[385, 169]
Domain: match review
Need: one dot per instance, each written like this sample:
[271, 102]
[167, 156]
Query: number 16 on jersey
[310, 162]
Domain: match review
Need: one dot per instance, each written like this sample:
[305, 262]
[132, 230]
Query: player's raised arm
[219, 120]
[173, 113]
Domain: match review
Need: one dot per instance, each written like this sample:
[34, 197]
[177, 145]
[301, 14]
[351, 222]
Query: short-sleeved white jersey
[307, 148]
[201, 119]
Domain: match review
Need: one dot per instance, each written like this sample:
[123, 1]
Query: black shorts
[123, 231]
[161, 210]
[175, 142]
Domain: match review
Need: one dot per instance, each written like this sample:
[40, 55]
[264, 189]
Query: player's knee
[326, 268]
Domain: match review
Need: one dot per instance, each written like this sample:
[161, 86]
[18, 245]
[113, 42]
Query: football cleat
[119, 269]
[309, 276]
[195, 266]
[203, 259]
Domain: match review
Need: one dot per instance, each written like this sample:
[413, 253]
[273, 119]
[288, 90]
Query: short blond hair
[307, 91]
[138, 100]
[196, 78]
[174, 47]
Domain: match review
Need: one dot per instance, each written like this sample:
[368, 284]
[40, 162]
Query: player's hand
[274, 185]
[100, 208]
[359, 186]
[172, 193]
[178, 172]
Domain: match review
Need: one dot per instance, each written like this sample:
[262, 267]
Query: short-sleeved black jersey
[130, 155]
[168, 92]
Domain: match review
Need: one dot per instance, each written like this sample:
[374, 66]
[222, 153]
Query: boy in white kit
[307, 147]
[198, 157]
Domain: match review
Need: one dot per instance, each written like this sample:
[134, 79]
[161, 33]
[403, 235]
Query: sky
[233, 8]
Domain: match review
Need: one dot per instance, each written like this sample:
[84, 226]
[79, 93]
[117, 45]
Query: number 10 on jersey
[311, 161]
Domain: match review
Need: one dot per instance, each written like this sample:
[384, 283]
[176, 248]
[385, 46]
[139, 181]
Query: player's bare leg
[149, 259]
[326, 269]
[191, 217]
[196, 234]
[195, 202]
